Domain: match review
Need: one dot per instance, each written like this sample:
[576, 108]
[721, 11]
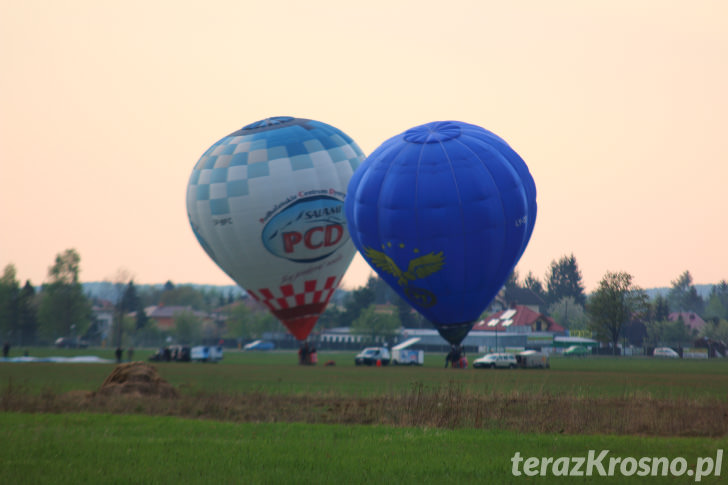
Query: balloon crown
[272, 123]
[435, 132]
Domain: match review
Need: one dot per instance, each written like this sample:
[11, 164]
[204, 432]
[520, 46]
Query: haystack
[136, 378]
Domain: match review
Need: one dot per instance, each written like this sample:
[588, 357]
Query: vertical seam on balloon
[517, 164]
[379, 194]
[460, 207]
[228, 250]
[418, 236]
[500, 200]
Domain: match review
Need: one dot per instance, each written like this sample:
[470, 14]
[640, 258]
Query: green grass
[84, 447]
[90, 448]
[277, 372]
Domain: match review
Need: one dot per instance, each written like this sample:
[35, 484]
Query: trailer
[204, 353]
[402, 355]
[529, 359]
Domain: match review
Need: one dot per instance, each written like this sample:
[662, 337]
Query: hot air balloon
[443, 212]
[267, 205]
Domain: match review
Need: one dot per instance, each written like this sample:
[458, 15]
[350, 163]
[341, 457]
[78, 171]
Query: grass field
[99, 448]
[262, 418]
[277, 372]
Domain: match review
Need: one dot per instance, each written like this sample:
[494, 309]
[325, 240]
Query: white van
[203, 353]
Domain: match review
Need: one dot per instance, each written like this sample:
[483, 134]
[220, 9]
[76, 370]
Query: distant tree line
[617, 312]
[620, 312]
[61, 308]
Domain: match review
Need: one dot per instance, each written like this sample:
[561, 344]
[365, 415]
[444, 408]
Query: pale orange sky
[619, 108]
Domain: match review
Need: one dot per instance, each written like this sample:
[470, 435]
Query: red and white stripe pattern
[297, 306]
[288, 297]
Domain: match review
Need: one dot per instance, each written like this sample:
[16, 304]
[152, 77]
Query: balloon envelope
[443, 212]
[267, 205]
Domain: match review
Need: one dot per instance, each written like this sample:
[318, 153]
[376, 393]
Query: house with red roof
[691, 320]
[519, 319]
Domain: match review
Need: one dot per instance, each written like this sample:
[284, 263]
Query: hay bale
[136, 378]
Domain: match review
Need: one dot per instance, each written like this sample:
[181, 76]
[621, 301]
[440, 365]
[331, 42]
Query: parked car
[577, 351]
[71, 343]
[259, 345]
[491, 361]
[665, 352]
[370, 356]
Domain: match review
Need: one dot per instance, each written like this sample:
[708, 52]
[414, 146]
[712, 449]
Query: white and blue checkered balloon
[267, 205]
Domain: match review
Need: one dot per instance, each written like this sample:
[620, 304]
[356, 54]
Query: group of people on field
[119, 353]
[456, 358]
[307, 355]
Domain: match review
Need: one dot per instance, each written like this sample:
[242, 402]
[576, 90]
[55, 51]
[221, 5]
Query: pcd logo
[308, 230]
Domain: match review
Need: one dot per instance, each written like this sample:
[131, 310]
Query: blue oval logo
[308, 230]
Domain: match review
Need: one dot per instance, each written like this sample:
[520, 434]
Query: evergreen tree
[683, 296]
[141, 317]
[358, 300]
[27, 315]
[717, 306]
[130, 300]
[533, 284]
[564, 279]
[128, 303]
[511, 286]
[660, 310]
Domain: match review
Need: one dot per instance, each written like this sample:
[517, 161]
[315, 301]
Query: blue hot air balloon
[443, 212]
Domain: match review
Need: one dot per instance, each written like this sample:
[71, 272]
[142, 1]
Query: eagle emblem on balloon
[419, 267]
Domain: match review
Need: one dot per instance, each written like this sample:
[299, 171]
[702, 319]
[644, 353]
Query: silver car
[492, 361]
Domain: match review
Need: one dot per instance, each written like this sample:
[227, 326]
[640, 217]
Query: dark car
[71, 343]
[173, 353]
